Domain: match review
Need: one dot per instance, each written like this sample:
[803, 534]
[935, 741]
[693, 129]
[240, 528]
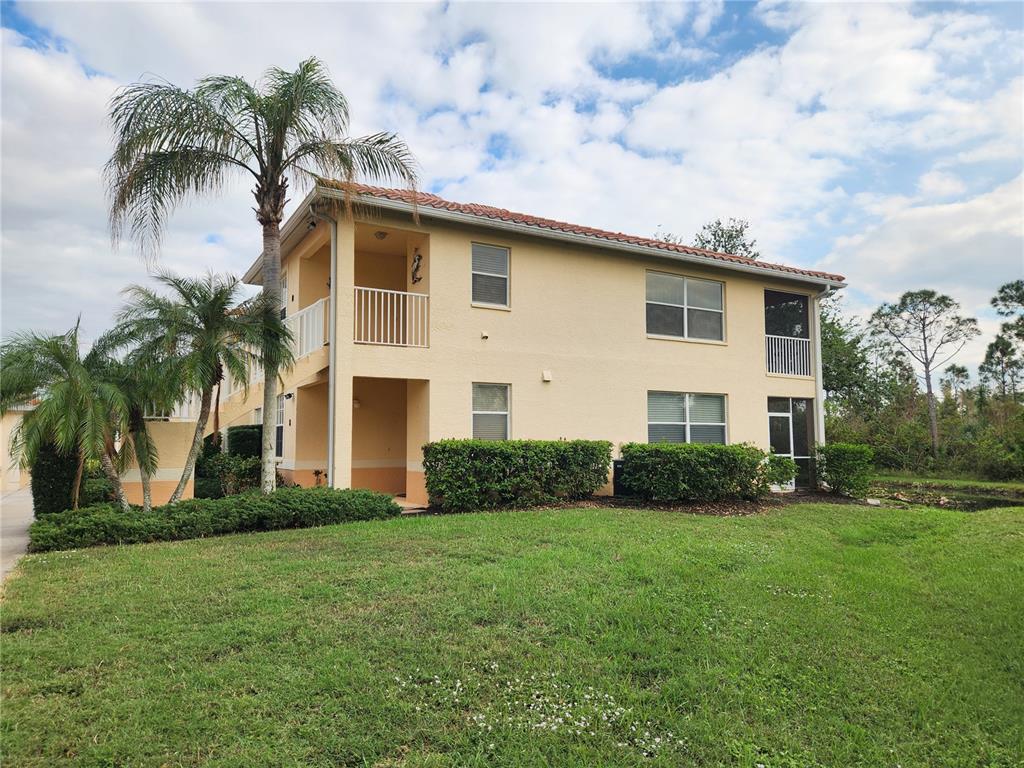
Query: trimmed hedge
[207, 488]
[53, 476]
[846, 468]
[95, 490]
[198, 518]
[245, 440]
[464, 475]
[691, 472]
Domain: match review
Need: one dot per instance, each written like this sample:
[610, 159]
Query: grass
[812, 635]
[953, 483]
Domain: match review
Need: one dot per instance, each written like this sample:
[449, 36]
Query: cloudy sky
[880, 141]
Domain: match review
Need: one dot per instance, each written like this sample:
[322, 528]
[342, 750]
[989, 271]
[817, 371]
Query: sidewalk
[15, 518]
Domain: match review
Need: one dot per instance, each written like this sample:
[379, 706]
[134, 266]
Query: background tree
[290, 127]
[201, 331]
[927, 326]
[956, 378]
[78, 410]
[730, 236]
[844, 355]
[1002, 367]
[722, 236]
[1009, 302]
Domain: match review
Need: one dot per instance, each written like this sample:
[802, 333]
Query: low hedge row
[846, 468]
[197, 518]
[691, 472]
[463, 475]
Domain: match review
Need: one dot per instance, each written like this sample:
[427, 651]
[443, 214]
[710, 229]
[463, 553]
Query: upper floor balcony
[787, 342]
[391, 318]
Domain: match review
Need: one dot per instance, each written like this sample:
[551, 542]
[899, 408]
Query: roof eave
[401, 206]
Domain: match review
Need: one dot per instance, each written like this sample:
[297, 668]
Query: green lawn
[954, 483]
[811, 635]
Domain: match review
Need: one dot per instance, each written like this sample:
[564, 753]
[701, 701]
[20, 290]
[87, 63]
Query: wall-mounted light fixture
[380, 234]
[289, 396]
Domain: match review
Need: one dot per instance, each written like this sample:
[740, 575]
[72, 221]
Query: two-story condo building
[417, 319]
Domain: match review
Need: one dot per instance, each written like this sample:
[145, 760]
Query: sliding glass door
[791, 433]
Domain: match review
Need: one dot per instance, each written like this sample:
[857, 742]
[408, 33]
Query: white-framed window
[284, 295]
[685, 417]
[279, 431]
[491, 411]
[490, 275]
[685, 307]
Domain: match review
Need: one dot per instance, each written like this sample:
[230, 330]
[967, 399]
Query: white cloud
[804, 137]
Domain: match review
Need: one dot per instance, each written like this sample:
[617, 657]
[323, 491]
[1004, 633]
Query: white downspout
[332, 329]
[819, 381]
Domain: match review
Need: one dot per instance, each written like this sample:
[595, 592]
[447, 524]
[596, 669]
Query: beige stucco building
[417, 319]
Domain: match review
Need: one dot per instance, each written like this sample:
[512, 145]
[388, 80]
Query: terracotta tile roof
[427, 200]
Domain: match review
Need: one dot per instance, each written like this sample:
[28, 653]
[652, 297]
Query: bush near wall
[245, 440]
[53, 475]
[691, 472]
[846, 468]
[463, 475]
[198, 518]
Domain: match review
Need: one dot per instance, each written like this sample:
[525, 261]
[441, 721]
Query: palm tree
[79, 410]
[289, 127]
[201, 331]
[149, 386]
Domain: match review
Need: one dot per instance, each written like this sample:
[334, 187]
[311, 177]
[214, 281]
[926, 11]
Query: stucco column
[417, 432]
[341, 354]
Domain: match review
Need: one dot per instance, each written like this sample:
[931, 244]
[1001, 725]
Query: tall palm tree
[79, 410]
[202, 330]
[288, 128]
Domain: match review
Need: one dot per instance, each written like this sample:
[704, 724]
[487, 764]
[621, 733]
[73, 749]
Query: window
[791, 433]
[490, 411]
[785, 314]
[685, 307]
[490, 275]
[284, 295]
[681, 417]
[257, 416]
[279, 432]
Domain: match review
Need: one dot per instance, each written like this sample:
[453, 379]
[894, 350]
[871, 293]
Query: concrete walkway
[15, 518]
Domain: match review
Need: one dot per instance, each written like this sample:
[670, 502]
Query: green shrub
[207, 488]
[463, 475]
[691, 472]
[846, 468]
[197, 518]
[95, 490]
[245, 440]
[779, 470]
[53, 476]
[236, 474]
[207, 453]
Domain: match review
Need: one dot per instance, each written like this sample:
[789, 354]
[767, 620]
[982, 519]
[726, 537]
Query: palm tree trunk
[215, 436]
[115, 480]
[272, 291]
[197, 443]
[147, 492]
[76, 490]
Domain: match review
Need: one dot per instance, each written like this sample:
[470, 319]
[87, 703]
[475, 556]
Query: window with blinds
[685, 307]
[684, 417]
[490, 411]
[490, 275]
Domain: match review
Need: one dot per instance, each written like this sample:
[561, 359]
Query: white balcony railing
[309, 328]
[185, 411]
[788, 355]
[391, 318]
